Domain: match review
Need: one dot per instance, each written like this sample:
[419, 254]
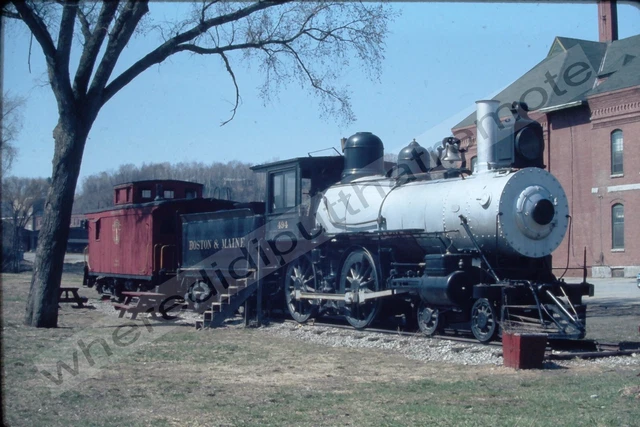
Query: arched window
[617, 152]
[474, 163]
[617, 226]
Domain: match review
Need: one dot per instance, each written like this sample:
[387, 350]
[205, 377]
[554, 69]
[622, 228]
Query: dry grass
[236, 376]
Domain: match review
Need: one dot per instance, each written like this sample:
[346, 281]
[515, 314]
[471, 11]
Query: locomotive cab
[291, 193]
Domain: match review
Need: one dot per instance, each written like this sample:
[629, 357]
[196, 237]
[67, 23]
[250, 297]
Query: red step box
[523, 350]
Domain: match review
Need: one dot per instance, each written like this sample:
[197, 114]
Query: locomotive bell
[363, 156]
[452, 150]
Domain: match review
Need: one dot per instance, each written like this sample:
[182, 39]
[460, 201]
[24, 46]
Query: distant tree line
[233, 180]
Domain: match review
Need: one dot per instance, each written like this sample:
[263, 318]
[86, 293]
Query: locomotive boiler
[458, 250]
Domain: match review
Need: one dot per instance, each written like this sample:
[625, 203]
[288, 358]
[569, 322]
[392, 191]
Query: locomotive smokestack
[487, 132]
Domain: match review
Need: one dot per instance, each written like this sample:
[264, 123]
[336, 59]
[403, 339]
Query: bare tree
[308, 42]
[11, 126]
[20, 199]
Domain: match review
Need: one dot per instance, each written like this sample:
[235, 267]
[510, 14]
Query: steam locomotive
[427, 238]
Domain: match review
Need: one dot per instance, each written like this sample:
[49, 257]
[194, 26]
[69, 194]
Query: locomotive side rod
[349, 297]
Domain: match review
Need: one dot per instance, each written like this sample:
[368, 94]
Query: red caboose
[136, 244]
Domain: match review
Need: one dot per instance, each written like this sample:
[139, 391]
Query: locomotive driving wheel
[428, 319]
[359, 273]
[301, 275]
[484, 323]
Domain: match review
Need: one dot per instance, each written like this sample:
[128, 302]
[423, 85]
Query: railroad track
[557, 349]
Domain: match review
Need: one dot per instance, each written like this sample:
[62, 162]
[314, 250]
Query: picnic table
[73, 298]
[146, 302]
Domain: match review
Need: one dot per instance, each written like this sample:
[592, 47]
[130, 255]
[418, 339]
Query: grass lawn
[236, 376]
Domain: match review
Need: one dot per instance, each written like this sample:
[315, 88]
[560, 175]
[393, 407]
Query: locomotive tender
[426, 238]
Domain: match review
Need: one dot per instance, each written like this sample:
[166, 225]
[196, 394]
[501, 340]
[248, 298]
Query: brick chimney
[607, 20]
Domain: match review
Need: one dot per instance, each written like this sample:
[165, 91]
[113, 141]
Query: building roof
[572, 71]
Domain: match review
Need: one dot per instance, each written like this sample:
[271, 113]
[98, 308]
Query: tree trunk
[16, 261]
[70, 136]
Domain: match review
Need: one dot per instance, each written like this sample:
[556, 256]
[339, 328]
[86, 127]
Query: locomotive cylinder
[454, 289]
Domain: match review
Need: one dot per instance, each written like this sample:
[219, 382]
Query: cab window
[283, 194]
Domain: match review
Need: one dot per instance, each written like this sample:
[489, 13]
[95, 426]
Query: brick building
[586, 95]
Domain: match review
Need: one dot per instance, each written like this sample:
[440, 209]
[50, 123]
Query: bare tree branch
[38, 29]
[123, 29]
[85, 27]
[205, 6]
[65, 34]
[171, 46]
[65, 37]
[235, 84]
[92, 47]
[10, 14]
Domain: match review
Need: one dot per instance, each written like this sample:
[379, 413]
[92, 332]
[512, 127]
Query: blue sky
[440, 59]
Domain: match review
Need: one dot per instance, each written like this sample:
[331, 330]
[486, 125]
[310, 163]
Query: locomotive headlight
[529, 143]
[535, 211]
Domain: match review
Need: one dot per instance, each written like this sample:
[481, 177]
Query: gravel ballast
[422, 348]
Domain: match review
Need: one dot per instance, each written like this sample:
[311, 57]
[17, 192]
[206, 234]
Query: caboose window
[617, 226]
[283, 194]
[190, 194]
[146, 194]
[617, 152]
[98, 230]
[168, 194]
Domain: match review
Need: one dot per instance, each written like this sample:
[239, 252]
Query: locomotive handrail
[570, 304]
[535, 296]
[425, 176]
[463, 222]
